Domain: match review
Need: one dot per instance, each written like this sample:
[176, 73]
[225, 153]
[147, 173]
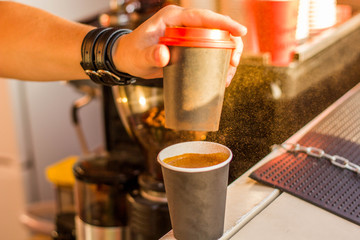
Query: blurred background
[37, 122]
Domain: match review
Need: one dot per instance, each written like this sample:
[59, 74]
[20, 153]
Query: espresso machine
[120, 193]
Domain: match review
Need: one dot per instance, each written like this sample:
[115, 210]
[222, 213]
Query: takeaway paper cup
[276, 22]
[196, 196]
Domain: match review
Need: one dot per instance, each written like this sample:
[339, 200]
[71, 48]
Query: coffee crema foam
[197, 160]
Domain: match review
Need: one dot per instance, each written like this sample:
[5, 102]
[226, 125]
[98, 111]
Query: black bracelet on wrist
[109, 59]
[97, 60]
[87, 54]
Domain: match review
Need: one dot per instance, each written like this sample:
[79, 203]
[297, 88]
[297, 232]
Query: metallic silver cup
[194, 86]
[195, 78]
[196, 196]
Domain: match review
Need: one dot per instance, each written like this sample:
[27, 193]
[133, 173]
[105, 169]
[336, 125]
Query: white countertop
[288, 217]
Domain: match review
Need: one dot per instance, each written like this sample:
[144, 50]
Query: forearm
[35, 45]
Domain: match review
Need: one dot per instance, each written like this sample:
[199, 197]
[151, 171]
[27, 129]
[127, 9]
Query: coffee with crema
[196, 160]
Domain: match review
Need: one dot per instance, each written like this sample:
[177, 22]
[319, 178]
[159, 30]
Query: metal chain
[319, 153]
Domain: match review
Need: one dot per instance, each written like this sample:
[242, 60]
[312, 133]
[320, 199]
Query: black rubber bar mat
[316, 180]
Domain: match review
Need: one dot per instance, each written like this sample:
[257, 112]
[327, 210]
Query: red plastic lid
[197, 37]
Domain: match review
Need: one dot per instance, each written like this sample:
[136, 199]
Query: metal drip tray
[316, 180]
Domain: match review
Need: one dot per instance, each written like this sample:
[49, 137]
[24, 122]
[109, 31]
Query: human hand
[140, 54]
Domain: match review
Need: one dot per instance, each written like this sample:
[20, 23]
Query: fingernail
[229, 78]
[237, 58]
[244, 31]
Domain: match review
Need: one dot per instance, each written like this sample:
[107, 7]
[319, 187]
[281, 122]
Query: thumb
[158, 55]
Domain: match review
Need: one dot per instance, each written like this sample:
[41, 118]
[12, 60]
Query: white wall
[70, 9]
[12, 200]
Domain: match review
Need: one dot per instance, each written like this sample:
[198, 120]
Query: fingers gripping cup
[196, 177]
[195, 78]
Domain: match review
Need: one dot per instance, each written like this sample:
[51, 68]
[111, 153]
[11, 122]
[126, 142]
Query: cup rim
[194, 170]
[197, 37]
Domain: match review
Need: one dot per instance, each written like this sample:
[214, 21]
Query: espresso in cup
[197, 160]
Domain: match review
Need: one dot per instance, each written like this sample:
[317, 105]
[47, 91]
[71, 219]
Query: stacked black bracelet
[97, 62]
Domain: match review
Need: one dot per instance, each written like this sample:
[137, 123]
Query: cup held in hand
[195, 78]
